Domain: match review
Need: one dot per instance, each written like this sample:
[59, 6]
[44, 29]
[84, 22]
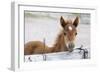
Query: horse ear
[76, 21]
[62, 21]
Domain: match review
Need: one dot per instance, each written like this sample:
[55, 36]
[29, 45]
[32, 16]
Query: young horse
[64, 41]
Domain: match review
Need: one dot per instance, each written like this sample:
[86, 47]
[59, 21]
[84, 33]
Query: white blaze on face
[70, 28]
[66, 39]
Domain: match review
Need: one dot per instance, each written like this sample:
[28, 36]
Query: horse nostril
[71, 45]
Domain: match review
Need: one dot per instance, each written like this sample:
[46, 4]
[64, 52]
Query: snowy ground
[41, 25]
[76, 54]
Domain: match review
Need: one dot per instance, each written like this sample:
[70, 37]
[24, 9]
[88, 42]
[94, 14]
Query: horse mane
[69, 21]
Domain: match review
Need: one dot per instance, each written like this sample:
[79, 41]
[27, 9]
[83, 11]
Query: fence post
[44, 55]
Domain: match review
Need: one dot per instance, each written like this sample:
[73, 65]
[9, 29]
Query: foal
[64, 41]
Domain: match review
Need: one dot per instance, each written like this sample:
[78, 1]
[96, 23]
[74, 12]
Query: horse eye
[76, 33]
[64, 33]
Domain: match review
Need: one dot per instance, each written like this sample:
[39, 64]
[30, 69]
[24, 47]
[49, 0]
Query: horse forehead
[70, 28]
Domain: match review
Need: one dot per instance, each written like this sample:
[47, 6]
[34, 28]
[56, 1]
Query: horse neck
[60, 44]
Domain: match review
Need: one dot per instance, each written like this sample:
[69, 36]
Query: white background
[5, 37]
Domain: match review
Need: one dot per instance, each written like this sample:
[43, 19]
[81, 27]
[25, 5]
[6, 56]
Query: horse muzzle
[70, 47]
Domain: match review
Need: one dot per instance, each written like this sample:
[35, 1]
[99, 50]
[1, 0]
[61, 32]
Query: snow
[76, 54]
